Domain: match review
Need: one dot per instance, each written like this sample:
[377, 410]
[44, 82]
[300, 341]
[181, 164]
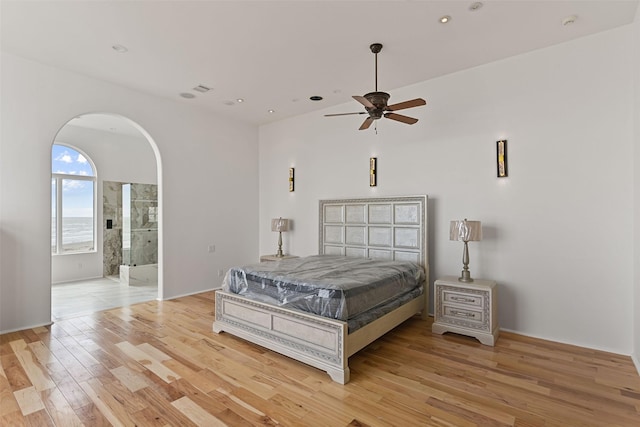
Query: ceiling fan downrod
[376, 48]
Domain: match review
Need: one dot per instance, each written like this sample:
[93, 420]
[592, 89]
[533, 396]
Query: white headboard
[383, 228]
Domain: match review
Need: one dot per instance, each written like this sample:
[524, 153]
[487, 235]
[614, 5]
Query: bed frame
[385, 228]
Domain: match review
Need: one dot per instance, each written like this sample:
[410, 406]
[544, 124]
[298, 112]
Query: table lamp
[466, 231]
[280, 225]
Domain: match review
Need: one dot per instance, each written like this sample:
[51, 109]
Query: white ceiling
[276, 54]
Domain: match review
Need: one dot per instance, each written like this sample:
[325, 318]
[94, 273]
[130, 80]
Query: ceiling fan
[375, 103]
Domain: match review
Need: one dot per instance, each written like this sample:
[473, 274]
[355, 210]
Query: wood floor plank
[196, 414]
[39, 419]
[129, 378]
[204, 400]
[84, 357]
[130, 401]
[90, 415]
[288, 406]
[71, 390]
[158, 363]
[148, 362]
[13, 419]
[242, 408]
[62, 414]
[154, 352]
[66, 358]
[197, 379]
[148, 417]
[38, 376]
[108, 406]
[164, 408]
[44, 356]
[168, 391]
[8, 403]
[28, 400]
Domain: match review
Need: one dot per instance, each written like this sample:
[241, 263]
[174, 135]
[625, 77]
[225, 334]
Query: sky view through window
[77, 194]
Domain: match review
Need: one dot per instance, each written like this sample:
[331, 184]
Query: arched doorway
[87, 277]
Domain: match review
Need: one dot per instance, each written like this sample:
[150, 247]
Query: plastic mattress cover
[332, 286]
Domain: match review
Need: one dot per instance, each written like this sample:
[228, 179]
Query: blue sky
[77, 194]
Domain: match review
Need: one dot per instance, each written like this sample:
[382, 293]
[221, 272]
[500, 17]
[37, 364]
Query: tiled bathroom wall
[111, 237]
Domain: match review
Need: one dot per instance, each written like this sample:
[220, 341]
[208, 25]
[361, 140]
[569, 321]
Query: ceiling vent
[202, 89]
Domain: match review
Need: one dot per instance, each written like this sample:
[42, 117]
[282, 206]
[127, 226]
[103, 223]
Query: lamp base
[279, 254]
[465, 277]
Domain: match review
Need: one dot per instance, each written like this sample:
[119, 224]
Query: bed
[391, 231]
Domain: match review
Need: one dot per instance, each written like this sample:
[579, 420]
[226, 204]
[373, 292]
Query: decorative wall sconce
[373, 172]
[291, 179]
[501, 158]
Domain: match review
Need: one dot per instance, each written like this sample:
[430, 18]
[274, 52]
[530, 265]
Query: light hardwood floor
[159, 364]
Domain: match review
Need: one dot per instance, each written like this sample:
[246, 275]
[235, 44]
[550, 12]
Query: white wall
[208, 170]
[636, 115]
[556, 231]
[117, 157]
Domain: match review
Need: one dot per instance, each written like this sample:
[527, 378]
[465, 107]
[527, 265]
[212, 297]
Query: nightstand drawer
[461, 313]
[464, 299]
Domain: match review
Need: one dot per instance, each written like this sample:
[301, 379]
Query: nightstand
[264, 258]
[466, 308]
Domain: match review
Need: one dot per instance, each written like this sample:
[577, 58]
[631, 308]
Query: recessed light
[569, 20]
[475, 6]
[445, 19]
[119, 48]
[315, 98]
[271, 111]
[187, 95]
[240, 100]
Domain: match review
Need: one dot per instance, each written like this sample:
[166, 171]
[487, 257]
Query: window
[73, 201]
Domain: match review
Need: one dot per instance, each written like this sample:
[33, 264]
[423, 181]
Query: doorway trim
[159, 182]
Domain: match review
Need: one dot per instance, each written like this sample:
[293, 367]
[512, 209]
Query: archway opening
[107, 250]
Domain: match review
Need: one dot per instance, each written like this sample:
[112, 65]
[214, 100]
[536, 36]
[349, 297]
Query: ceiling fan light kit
[376, 103]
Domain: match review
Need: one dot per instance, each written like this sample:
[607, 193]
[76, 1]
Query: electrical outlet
[220, 273]
[212, 248]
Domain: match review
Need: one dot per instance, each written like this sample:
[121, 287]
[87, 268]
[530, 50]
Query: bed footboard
[314, 340]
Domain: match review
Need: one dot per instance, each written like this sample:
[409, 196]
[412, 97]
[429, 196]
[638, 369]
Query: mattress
[333, 286]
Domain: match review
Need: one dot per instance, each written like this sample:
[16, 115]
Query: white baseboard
[636, 362]
[575, 344]
[24, 328]
[84, 279]
[189, 294]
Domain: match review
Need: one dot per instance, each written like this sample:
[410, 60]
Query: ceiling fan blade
[401, 118]
[344, 114]
[406, 104]
[367, 122]
[364, 101]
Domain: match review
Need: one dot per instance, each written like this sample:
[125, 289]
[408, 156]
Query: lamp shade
[279, 224]
[465, 231]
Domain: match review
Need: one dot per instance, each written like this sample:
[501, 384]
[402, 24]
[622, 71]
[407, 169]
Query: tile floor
[86, 297]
